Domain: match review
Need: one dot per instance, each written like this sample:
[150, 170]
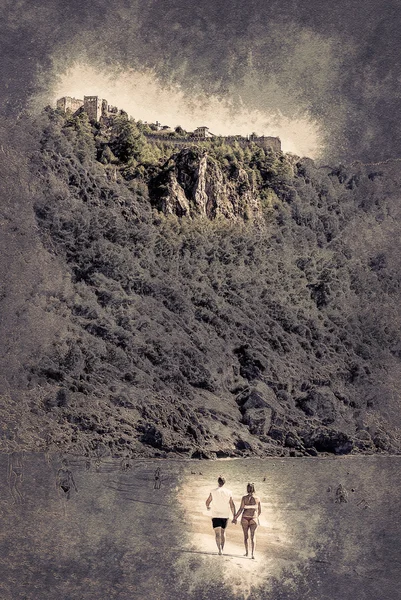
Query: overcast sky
[318, 73]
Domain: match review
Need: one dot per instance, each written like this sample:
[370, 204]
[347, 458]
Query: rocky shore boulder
[324, 439]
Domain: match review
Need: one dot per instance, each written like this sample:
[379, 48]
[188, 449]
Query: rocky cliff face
[204, 335]
[193, 184]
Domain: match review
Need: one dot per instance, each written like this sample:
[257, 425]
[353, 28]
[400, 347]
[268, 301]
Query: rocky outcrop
[319, 403]
[175, 201]
[324, 439]
[193, 184]
[307, 432]
[259, 407]
[259, 420]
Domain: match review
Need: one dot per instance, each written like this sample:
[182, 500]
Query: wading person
[250, 509]
[222, 503]
[157, 480]
[65, 480]
[15, 475]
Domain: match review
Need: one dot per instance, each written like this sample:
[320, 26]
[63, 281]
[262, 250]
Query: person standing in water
[65, 480]
[250, 509]
[15, 476]
[157, 480]
[222, 502]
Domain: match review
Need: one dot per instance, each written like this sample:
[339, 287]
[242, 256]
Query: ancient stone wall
[274, 143]
[69, 103]
[269, 142]
[157, 137]
[264, 141]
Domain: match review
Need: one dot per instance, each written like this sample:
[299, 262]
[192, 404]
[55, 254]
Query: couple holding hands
[222, 502]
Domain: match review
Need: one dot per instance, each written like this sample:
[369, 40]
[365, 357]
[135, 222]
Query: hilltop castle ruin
[96, 108]
[99, 110]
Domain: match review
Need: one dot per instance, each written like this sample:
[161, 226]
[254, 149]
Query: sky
[323, 76]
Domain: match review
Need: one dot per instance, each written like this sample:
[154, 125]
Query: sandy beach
[125, 533]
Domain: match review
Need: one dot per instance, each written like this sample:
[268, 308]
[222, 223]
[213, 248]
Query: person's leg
[253, 526]
[12, 486]
[18, 488]
[217, 533]
[222, 538]
[245, 527]
[15, 483]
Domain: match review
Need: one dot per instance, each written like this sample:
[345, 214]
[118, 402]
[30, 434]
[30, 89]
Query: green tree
[83, 141]
[127, 142]
[107, 156]
[180, 130]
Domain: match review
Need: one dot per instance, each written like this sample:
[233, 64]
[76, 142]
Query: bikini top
[253, 506]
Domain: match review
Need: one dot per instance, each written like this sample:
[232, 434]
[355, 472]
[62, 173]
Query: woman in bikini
[250, 509]
[64, 480]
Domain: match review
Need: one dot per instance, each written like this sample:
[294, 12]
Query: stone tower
[93, 106]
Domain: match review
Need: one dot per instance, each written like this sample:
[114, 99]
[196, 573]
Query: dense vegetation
[155, 333]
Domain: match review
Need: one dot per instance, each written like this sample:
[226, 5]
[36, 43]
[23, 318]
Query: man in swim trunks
[222, 500]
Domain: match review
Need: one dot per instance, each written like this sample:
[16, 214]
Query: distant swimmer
[221, 499]
[250, 509]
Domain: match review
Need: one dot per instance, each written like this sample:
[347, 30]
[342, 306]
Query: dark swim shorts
[217, 522]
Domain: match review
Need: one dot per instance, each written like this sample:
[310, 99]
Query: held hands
[234, 521]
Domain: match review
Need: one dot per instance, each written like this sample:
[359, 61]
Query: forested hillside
[211, 300]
